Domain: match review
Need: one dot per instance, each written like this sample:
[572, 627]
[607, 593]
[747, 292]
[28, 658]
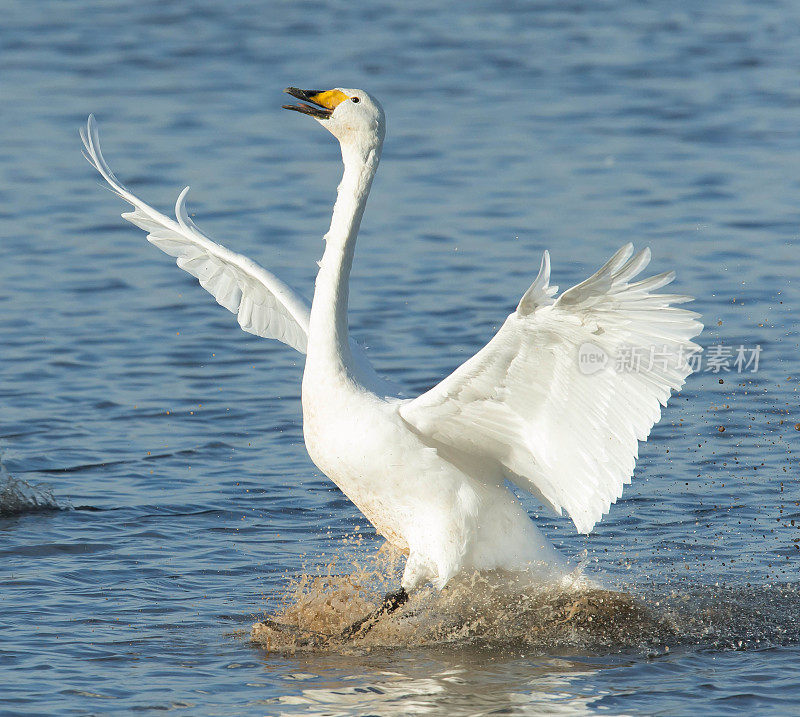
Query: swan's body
[429, 473]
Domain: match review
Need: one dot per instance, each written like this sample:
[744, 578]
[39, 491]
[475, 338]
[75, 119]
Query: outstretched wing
[264, 305]
[557, 397]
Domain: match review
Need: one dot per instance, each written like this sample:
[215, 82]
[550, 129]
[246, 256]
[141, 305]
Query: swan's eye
[355, 99]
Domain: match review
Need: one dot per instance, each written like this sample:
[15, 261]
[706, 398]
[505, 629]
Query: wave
[18, 497]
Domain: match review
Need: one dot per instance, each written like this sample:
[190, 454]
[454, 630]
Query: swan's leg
[390, 603]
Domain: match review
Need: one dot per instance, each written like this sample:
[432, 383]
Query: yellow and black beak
[322, 102]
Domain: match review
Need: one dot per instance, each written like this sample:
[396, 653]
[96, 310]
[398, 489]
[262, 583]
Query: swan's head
[352, 116]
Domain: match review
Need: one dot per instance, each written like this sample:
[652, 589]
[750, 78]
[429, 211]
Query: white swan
[429, 473]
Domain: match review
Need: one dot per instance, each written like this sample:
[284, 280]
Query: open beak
[321, 103]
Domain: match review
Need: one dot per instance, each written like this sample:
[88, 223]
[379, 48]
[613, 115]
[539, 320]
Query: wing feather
[568, 435]
[264, 305]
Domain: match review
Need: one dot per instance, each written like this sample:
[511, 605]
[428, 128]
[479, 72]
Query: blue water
[182, 497]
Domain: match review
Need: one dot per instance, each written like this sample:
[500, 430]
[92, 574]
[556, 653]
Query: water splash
[17, 497]
[504, 611]
[489, 608]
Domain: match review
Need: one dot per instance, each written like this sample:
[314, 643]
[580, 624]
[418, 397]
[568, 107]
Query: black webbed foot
[390, 603]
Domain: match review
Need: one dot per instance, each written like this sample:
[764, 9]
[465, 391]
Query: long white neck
[328, 335]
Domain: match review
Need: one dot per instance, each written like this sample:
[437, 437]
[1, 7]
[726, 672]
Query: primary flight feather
[430, 473]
